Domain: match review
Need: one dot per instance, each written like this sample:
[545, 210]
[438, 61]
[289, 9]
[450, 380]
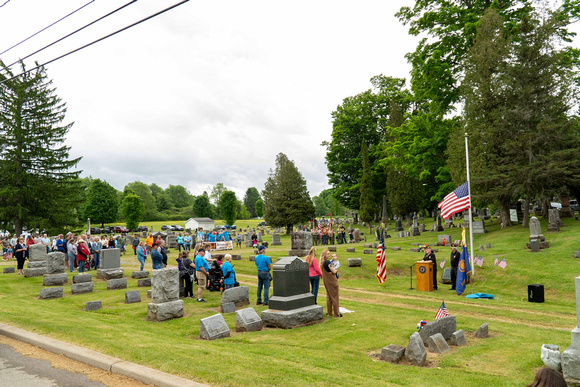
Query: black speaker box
[536, 293]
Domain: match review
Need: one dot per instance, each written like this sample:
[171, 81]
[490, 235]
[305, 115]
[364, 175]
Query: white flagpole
[470, 216]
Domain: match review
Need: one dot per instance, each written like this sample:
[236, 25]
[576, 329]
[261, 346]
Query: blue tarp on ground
[480, 295]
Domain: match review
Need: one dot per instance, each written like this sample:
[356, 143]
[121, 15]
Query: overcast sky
[208, 92]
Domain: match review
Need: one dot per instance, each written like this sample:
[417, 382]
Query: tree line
[502, 73]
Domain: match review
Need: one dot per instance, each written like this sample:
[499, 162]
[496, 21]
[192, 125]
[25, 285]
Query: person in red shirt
[314, 272]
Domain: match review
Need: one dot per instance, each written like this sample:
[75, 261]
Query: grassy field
[337, 351]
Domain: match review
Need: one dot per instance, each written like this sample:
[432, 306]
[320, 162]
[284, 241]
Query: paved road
[17, 370]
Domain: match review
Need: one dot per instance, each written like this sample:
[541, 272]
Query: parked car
[263, 224]
[230, 227]
[220, 227]
[121, 229]
[556, 205]
[574, 205]
[177, 228]
[167, 228]
[142, 228]
[109, 229]
[95, 230]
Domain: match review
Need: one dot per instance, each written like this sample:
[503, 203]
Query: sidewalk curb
[98, 360]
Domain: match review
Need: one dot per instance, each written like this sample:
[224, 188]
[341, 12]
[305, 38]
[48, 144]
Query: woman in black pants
[20, 254]
[187, 274]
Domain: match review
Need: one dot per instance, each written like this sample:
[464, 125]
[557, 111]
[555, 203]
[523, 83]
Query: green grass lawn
[337, 351]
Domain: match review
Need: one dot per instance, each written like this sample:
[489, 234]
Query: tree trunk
[526, 219]
[288, 229]
[505, 214]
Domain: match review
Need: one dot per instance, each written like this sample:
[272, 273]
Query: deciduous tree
[133, 209]
[250, 198]
[102, 203]
[228, 206]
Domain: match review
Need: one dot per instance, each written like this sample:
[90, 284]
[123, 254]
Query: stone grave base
[297, 253]
[54, 279]
[276, 243]
[35, 272]
[108, 274]
[291, 302]
[291, 318]
[165, 310]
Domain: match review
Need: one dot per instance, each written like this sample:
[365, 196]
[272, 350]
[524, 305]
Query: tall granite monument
[292, 303]
[301, 242]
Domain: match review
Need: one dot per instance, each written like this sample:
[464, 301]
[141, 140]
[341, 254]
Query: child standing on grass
[334, 263]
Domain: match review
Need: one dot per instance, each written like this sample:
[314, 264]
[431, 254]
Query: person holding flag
[464, 268]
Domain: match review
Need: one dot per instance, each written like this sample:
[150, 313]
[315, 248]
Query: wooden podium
[424, 276]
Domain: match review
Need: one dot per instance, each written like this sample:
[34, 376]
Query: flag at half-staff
[455, 202]
[381, 261]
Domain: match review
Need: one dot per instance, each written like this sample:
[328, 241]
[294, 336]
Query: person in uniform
[430, 256]
[454, 263]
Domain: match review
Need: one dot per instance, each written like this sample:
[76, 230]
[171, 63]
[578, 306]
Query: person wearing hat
[83, 254]
[454, 264]
[202, 272]
[263, 264]
[430, 256]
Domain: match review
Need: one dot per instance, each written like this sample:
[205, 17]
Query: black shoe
[265, 303]
[435, 289]
[452, 289]
[201, 300]
[259, 303]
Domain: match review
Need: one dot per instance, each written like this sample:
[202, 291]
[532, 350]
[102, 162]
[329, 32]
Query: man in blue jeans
[264, 264]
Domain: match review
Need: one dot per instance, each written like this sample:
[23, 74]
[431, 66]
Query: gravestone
[398, 225]
[110, 259]
[392, 353]
[350, 250]
[172, 242]
[213, 327]
[236, 257]
[368, 251]
[77, 279]
[458, 339]
[415, 353]
[553, 225]
[438, 226]
[355, 262]
[93, 305]
[144, 282]
[34, 272]
[54, 279]
[356, 235]
[108, 274]
[332, 249]
[551, 356]
[482, 332]
[446, 277]
[248, 239]
[300, 243]
[83, 287]
[415, 228]
[165, 303]
[140, 274]
[117, 283]
[443, 240]
[481, 248]
[252, 258]
[478, 227]
[535, 246]
[292, 303]
[228, 307]
[239, 295]
[422, 227]
[50, 293]
[247, 320]
[437, 343]
[571, 356]
[37, 253]
[445, 325]
[276, 240]
[396, 248]
[149, 293]
[132, 297]
[449, 224]
[10, 269]
[55, 263]
[488, 245]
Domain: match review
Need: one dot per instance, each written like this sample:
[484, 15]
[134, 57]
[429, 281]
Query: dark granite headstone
[301, 242]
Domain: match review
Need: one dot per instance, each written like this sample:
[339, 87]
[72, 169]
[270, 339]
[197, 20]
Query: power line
[45, 28]
[6, 2]
[98, 40]
[72, 33]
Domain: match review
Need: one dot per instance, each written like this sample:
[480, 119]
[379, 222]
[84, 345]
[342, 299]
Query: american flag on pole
[455, 202]
[442, 312]
[502, 264]
[479, 261]
[381, 262]
[496, 261]
[442, 264]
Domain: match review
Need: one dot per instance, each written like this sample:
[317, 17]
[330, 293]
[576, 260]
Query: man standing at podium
[430, 256]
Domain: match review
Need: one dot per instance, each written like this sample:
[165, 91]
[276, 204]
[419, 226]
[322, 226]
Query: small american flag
[442, 312]
[502, 264]
[442, 264]
[479, 261]
[496, 261]
[455, 202]
[381, 261]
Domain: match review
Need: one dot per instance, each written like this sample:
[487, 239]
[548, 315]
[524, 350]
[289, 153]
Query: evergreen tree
[250, 198]
[102, 203]
[38, 187]
[367, 199]
[202, 207]
[404, 194]
[133, 209]
[259, 208]
[228, 206]
[286, 198]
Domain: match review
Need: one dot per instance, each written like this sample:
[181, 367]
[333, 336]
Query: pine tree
[367, 199]
[38, 187]
[286, 198]
[250, 198]
[133, 209]
[228, 204]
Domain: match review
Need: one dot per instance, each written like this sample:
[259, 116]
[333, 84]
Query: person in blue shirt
[226, 235]
[264, 264]
[187, 242]
[156, 258]
[211, 237]
[180, 242]
[228, 272]
[201, 271]
[200, 235]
